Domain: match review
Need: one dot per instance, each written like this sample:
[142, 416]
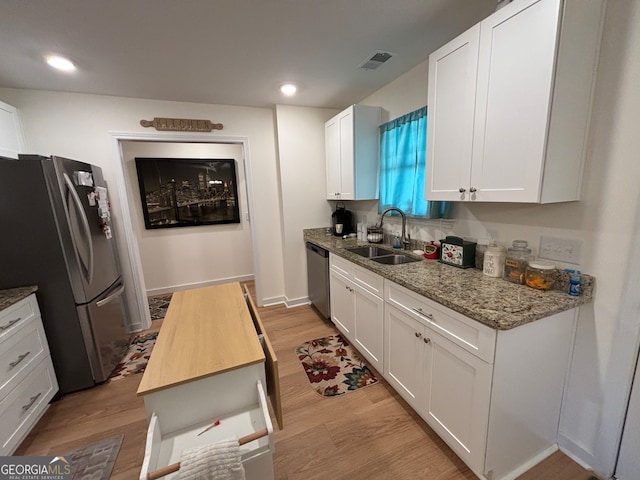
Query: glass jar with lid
[540, 275]
[494, 260]
[516, 260]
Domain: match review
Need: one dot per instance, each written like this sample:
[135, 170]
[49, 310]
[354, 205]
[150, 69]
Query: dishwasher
[318, 278]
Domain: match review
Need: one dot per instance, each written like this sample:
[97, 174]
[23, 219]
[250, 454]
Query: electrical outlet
[566, 250]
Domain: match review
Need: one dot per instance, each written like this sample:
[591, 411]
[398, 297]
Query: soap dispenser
[396, 241]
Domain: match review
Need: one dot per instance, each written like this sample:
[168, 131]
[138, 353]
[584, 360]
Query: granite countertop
[13, 295]
[493, 301]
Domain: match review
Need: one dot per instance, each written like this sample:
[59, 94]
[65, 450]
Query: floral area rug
[158, 306]
[135, 361]
[333, 367]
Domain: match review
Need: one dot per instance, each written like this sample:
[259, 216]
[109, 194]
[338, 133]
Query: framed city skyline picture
[184, 192]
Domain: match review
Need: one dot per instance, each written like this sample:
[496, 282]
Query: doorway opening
[165, 260]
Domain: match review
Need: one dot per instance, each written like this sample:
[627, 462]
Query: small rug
[135, 361]
[333, 367]
[94, 462]
[158, 306]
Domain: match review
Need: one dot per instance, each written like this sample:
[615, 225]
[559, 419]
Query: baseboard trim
[529, 464]
[188, 286]
[575, 452]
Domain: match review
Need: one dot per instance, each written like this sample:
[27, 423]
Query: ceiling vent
[376, 59]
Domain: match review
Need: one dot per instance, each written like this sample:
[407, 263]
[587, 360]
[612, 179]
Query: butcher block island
[206, 381]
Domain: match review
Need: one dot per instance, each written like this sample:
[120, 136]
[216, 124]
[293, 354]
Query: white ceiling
[234, 52]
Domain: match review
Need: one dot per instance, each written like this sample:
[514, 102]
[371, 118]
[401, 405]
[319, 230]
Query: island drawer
[164, 448]
[469, 334]
[271, 360]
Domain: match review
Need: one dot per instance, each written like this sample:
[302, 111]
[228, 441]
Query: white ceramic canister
[493, 265]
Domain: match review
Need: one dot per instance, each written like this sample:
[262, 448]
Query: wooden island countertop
[207, 331]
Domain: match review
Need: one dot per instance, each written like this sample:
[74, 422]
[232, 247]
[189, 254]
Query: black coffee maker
[342, 216]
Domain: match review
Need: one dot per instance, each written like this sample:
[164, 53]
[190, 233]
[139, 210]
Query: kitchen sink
[370, 251]
[395, 259]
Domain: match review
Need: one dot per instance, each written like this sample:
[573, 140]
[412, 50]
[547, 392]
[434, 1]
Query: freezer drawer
[104, 331]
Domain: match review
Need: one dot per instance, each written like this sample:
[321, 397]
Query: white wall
[180, 258]
[303, 187]
[78, 126]
[604, 219]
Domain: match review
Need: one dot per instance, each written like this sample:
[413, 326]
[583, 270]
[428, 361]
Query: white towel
[217, 461]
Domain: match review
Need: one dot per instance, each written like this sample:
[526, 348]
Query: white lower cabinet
[343, 312]
[357, 308]
[447, 386]
[27, 379]
[493, 396]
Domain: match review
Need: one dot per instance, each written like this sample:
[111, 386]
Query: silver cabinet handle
[32, 400]
[20, 359]
[462, 189]
[418, 334]
[427, 340]
[473, 190]
[426, 315]
[11, 323]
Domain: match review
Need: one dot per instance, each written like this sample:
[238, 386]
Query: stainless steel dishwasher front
[318, 278]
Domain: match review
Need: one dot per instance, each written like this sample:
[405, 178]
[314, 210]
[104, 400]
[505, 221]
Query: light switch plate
[566, 250]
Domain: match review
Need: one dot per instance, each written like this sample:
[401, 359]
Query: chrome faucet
[405, 239]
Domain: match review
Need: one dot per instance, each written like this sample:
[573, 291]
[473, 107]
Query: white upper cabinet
[351, 143]
[11, 139]
[509, 104]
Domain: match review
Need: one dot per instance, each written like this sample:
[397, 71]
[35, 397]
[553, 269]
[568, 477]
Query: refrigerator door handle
[85, 225]
[115, 294]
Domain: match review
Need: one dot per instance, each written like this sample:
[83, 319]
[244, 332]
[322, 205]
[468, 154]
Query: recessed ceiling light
[61, 63]
[288, 89]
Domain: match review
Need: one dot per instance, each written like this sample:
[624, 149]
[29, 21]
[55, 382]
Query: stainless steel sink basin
[395, 259]
[370, 251]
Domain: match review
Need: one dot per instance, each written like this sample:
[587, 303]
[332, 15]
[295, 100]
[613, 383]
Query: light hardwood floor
[368, 434]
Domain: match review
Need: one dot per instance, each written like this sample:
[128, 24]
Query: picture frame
[186, 192]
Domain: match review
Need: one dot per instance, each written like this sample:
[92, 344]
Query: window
[403, 152]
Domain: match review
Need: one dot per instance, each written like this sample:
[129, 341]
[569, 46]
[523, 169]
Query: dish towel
[217, 461]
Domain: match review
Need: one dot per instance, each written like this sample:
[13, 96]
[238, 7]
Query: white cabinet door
[332, 155]
[515, 81]
[351, 149]
[452, 94]
[369, 326]
[342, 303]
[404, 356]
[11, 140]
[340, 156]
[533, 66]
[457, 396]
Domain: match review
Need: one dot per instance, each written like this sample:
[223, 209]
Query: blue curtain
[403, 155]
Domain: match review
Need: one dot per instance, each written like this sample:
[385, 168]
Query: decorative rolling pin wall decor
[181, 124]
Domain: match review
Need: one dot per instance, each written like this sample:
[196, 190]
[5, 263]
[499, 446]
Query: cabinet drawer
[473, 336]
[271, 360]
[24, 405]
[340, 265]
[369, 281]
[24, 346]
[164, 448]
[17, 313]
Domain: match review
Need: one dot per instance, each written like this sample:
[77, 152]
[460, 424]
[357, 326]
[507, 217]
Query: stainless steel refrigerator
[57, 235]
